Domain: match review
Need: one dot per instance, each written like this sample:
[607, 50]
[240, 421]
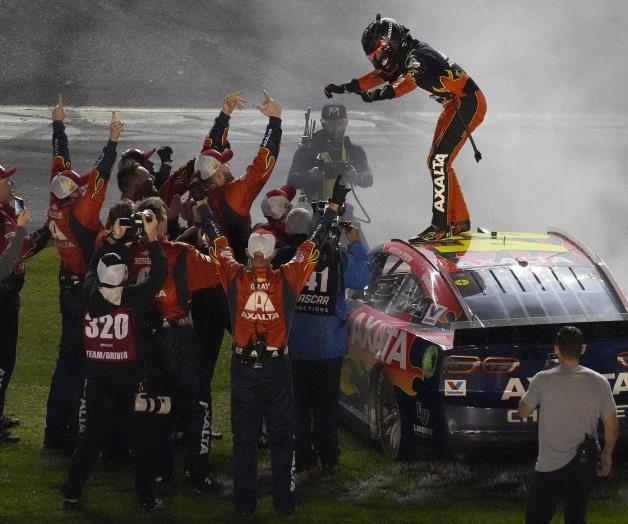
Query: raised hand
[233, 101]
[115, 128]
[58, 113]
[333, 88]
[270, 107]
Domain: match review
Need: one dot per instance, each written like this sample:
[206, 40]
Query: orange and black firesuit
[404, 64]
[74, 223]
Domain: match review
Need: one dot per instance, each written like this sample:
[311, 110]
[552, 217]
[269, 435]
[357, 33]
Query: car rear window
[514, 292]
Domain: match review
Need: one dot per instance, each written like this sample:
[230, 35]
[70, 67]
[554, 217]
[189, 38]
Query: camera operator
[16, 247]
[329, 153]
[318, 341]
[261, 304]
[113, 347]
[571, 400]
[176, 363]
[74, 221]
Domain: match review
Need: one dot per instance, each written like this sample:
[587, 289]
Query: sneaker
[307, 476]
[71, 504]
[460, 227]
[215, 435]
[150, 505]
[432, 234]
[5, 436]
[7, 422]
[208, 485]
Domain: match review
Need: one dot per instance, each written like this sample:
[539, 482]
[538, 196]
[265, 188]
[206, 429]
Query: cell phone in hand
[18, 203]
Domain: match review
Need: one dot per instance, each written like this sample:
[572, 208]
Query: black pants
[210, 314]
[316, 391]
[109, 395]
[9, 319]
[571, 484]
[267, 392]
[174, 368]
[68, 379]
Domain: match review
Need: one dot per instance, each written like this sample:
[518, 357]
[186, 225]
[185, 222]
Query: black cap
[334, 112]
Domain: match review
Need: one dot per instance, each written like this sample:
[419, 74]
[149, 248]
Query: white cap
[261, 243]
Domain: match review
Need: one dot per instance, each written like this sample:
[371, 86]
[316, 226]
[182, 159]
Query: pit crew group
[145, 300]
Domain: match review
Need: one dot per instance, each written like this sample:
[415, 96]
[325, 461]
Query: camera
[158, 405]
[135, 222]
[333, 168]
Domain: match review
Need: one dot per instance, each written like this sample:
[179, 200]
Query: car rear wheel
[387, 416]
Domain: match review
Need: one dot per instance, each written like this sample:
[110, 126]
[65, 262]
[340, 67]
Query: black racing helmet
[382, 41]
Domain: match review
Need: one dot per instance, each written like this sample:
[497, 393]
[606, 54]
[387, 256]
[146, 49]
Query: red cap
[286, 191]
[6, 172]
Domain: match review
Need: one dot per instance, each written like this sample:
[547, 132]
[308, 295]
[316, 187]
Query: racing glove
[348, 87]
[339, 193]
[374, 95]
[165, 153]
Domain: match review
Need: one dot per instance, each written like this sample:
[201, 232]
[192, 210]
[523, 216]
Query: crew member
[261, 305]
[16, 246]
[131, 156]
[113, 347]
[403, 64]
[318, 341]
[276, 205]
[571, 400]
[74, 221]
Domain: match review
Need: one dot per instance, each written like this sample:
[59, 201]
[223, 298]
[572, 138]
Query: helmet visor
[378, 55]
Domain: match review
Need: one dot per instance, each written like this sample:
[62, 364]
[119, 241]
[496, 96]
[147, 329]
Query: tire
[387, 416]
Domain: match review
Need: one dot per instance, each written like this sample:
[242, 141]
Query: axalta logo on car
[388, 344]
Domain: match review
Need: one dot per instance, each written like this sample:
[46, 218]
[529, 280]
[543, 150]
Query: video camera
[333, 168]
[135, 222]
[338, 225]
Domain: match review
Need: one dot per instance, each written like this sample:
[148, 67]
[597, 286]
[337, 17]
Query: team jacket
[74, 225]
[262, 300]
[188, 270]
[112, 333]
[429, 70]
[231, 204]
[319, 329]
[32, 244]
[324, 148]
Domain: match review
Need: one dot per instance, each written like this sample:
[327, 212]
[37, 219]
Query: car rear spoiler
[537, 333]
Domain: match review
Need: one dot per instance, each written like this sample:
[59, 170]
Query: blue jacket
[317, 337]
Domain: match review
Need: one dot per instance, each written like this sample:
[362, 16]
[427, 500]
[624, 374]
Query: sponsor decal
[512, 417]
[206, 431]
[422, 415]
[433, 313]
[438, 175]
[516, 389]
[259, 307]
[455, 388]
[461, 282]
[423, 431]
[430, 357]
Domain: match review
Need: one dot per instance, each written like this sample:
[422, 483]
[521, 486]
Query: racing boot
[460, 227]
[432, 234]
[5, 436]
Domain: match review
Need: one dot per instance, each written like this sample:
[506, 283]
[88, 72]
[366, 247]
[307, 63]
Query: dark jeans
[316, 391]
[571, 484]
[9, 319]
[109, 396]
[174, 364]
[267, 392]
[210, 314]
[68, 379]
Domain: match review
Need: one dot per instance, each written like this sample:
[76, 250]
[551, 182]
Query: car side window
[389, 273]
[408, 300]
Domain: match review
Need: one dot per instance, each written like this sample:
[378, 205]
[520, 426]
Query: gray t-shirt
[571, 402]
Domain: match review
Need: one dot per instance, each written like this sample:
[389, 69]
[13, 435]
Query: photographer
[571, 400]
[112, 341]
[318, 341]
[261, 304]
[176, 363]
[329, 153]
[74, 221]
[16, 246]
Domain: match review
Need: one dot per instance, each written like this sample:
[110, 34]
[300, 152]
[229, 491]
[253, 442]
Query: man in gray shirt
[571, 400]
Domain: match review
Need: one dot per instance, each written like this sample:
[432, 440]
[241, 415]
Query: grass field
[368, 487]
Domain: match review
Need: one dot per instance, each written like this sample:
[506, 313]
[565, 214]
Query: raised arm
[217, 136]
[60, 147]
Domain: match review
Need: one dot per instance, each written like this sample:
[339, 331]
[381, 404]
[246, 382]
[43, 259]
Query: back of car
[517, 310]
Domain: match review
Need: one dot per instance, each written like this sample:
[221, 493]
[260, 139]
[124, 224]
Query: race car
[446, 337]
